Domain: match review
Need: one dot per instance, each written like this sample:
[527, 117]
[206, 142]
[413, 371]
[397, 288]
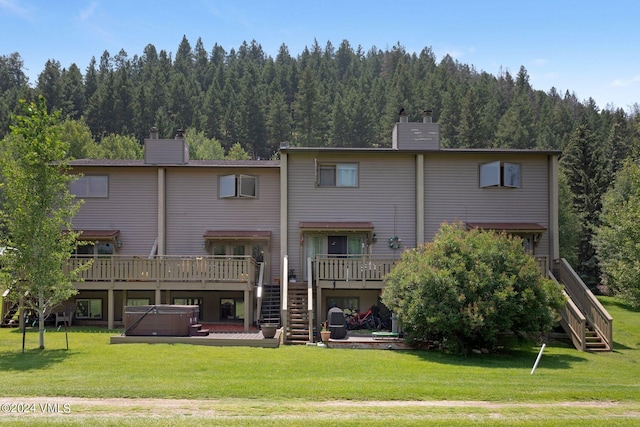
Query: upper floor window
[90, 186]
[238, 186]
[337, 175]
[500, 174]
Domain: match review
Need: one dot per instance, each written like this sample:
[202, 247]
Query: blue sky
[587, 47]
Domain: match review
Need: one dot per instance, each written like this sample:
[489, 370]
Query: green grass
[303, 377]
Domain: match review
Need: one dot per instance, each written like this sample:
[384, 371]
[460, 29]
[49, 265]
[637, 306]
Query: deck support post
[110, 308]
[248, 308]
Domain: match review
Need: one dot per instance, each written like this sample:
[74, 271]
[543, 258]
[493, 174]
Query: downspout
[161, 239]
[284, 235]
[161, 212]
[554, 236]
[419, 199]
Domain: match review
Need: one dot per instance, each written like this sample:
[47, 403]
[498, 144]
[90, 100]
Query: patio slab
[220, 339]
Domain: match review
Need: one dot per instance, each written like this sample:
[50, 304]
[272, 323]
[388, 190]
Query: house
[291, 238]
[167, 230]
[347, 214]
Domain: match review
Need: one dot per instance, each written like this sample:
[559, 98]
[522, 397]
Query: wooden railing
[573, 321]
[241, 269]
[352, 268]
[585, 301]
[543, 265]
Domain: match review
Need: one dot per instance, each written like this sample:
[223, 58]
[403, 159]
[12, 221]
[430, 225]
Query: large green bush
[617, 239]
[468, 289]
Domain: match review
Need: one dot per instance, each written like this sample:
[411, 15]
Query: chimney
[416, 136]
[166, 151]
[403, 116]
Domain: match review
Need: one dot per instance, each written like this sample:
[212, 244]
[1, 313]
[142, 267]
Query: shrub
[467, 289]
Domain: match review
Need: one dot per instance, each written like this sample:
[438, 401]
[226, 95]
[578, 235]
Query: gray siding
[166, 151]
[193, 206]
[452, 192]
[131, 207]
[416, 136]
[385, 196]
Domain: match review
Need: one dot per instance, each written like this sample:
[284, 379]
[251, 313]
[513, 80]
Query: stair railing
[572, 320]
[260, 290]
[285, 296]
[585, 301]
[310, 297]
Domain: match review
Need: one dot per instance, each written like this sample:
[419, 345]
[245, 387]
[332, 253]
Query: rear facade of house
[319, 227]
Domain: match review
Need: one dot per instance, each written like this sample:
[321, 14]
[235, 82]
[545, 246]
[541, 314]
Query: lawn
[272, 385]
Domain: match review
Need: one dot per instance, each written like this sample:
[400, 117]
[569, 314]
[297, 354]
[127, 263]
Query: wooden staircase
[297, 314]
[271, 306]
[594, 340]
[195, 330]
[584, 319]
[7, 320]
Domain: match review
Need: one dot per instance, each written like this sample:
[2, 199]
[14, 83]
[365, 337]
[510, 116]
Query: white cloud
[13, 7]
[87, 13]
[540, 62]
[625, 82]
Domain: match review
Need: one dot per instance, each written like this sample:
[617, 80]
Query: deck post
[110, 308]
[247, 309]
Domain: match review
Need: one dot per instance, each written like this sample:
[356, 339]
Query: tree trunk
[41, 319]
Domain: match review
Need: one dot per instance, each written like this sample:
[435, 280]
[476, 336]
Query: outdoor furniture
[64, 314]
[336, 323]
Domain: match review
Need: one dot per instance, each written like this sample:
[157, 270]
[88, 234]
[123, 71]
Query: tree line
[246, 102]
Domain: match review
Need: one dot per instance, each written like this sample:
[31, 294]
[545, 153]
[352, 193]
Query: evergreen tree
[73, 99]
[50, 84]
[586, 169]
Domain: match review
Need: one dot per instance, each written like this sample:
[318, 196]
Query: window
[137, 301]
[497, 174]
[231, 309]
[90, 186]
[350, 304]
[337, 175]
[238, 186]
[106, 247]
[89, 308]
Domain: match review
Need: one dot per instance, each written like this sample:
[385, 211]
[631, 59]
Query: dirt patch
[120, 407]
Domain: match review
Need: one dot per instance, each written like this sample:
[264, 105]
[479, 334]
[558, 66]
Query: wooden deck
[219, 339]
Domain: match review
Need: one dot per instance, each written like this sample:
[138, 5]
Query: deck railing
[352, 268]
[241, 269]
[543, 264]
[370, 268]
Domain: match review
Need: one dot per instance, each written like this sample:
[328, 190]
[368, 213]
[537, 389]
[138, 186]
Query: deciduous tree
[616, 239]
[38, 208]
[467, 289]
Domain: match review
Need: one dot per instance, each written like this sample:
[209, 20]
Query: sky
[589, 48]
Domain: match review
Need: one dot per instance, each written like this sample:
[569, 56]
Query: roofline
[441, 150]
[192, 163]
